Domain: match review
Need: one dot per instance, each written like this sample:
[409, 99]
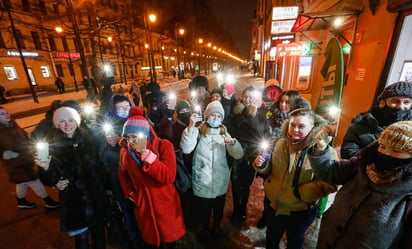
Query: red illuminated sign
[293, 49]
[67, 55]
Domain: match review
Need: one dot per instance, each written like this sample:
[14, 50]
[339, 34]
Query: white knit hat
[65, 113]
[212, 107]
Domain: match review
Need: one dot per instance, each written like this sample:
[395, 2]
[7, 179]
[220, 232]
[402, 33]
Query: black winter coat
[83, 201]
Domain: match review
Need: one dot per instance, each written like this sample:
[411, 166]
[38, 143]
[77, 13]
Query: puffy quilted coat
[210, 171]
[158, 211]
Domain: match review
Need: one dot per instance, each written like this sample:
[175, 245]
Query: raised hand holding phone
[42, 150]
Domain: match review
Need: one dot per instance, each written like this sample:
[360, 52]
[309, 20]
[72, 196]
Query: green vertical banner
[332, 72]
[331, 92]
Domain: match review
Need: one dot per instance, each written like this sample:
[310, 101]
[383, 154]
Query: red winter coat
[158, 211]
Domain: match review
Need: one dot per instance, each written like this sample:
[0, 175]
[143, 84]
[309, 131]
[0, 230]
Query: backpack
[183, 179]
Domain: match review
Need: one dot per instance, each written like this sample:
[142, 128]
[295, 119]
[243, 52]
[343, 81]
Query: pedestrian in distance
[16, 158]
[210, 170]
[395, 104]
[147, 170]
[72, 167]
[292, 192]
[60, 85]
[373, 208]
[3, 99]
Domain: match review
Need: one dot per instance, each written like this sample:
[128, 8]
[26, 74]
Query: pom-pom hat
[136, 123]
[398, 136]
[65, 112]
[401, 88]
[212, 107]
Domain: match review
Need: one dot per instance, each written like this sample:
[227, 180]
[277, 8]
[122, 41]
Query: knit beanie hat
[65, 112]
[401, 88]
[73, 104]
[217, 90]
[182, 105]
[136, 123]
[212, 107]
[199, 81]
[398, 136]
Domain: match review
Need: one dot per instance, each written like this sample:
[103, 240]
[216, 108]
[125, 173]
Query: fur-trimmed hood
[310, 140]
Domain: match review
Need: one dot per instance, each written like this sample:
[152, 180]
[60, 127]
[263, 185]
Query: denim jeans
[295, 226]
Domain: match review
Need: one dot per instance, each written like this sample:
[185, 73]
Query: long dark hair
[293, 96]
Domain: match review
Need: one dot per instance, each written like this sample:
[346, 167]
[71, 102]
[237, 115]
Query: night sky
[237, 16]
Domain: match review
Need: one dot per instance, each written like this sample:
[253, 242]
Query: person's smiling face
[68, 126]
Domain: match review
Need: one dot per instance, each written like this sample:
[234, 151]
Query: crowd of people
[115, 169]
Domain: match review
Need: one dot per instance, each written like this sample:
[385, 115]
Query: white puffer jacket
[210, 171]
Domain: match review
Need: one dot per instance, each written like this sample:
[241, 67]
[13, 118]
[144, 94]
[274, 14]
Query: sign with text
[67, 55]
[292, 49]
[282, 26]
[282, 13]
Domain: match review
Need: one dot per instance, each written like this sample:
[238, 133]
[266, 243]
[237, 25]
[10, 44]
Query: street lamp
[152, 18]
[67, 50]
[181, 32]
[200, 41]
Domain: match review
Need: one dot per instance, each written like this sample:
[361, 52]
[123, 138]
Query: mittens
[148, 156]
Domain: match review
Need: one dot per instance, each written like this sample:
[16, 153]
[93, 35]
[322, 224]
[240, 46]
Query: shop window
[42, 6]
[36, 40]
[10, 72]
[25, 5]
[64, 42]
[86, 45]
[76, 46]
[52, 43]
[19, 39]
[59, 70]
[55, 8]
[45, 71]
[71, 69]
[2, 43]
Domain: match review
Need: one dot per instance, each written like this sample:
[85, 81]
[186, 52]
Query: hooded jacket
[14, 138]
[364, 214]
[210, 171]
[281, 171]
[158, 211]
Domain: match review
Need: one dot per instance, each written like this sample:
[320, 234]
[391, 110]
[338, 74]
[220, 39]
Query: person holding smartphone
[72, 167]
[147, 170]
[16, 158]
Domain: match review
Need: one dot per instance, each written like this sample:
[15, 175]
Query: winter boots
[48, 203]
[24, 204]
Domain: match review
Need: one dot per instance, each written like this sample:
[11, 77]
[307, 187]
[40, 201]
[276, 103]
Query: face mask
[387, 163]
[213, 123]
[296, 139]
[122, 113]
[184, 117]
[389, 115]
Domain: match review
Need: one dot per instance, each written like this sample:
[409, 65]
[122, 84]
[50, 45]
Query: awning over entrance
[326, 19]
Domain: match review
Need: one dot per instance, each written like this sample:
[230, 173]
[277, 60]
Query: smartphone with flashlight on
[264, 150]
[42, 149]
